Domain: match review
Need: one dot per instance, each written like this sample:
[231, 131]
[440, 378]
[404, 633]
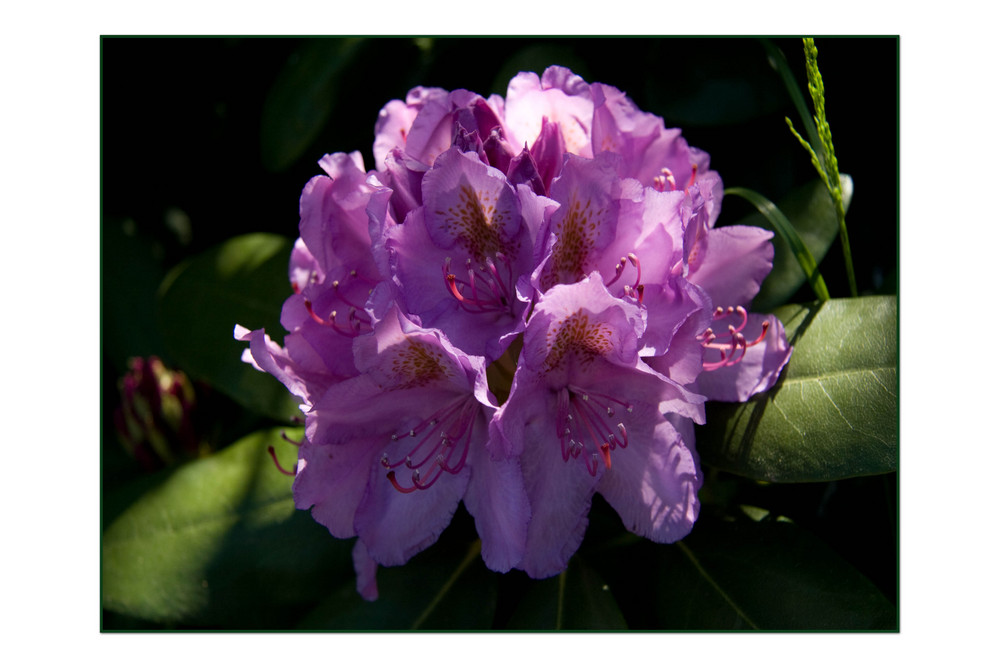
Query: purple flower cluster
[524, 304]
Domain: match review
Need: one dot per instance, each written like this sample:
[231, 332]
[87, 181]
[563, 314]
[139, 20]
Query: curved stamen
[582, 424]
[485, 289]
[619, 270]
[274, 457]
[297, 443]
[694, 175]
[634, 261]
[357, 320]
[731, 351]
[666, 177]
[436, 449]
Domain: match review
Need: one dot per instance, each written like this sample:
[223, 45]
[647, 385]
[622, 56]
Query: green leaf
[834, 412]
[814, 218]
[446, 587]
[770, 575]
[301, 100]
[243, 281]
[711, 91]
[130, 274]
[576, 599]
[219, 543]
[786, 232]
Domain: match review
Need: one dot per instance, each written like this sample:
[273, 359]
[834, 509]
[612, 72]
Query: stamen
[391, 476]
[731, 352]
[297, 443]
[619, 269]
[435, 451]
[666, 177]
[589, 409]
[355, 322]
[274, 457]
[485, 289]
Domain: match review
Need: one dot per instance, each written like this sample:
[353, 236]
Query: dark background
[203, 139]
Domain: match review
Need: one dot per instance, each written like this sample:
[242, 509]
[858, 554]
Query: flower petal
[653, 484]
[497, 500]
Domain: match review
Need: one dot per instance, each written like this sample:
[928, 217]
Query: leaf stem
[827, 165]
[559, 600]
[474, 550]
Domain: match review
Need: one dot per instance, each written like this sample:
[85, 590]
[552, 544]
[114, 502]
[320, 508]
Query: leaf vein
[834, 403]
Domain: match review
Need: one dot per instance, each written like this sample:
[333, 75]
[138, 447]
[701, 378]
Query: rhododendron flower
[392, 451]
[556, 248]
[586, 414]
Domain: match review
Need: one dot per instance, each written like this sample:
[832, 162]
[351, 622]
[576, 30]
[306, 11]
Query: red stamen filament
[484, 290]
[634, 290]
[274, 457]
[357, 320]
[733, 351]
[455, 434]
[581, 421]
[297, 443]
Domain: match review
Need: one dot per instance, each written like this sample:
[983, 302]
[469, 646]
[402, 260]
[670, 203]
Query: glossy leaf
[771, 575]
[576, 599]
[130, 275]
[243, 281]
[813, 216]
[219, 542]
[446, 587]
[834, 412]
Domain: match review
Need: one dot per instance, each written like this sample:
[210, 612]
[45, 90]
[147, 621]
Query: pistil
[583, 425]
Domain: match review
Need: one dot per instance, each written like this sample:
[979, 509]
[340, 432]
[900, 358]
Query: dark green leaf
[243, 281]
[130, 274]
[219, 543]
[770, 575]
[446, 587]
[812, 214]
[834, 412]
[708, 90]
[302, 98]
[576, 599]
[786, 232]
